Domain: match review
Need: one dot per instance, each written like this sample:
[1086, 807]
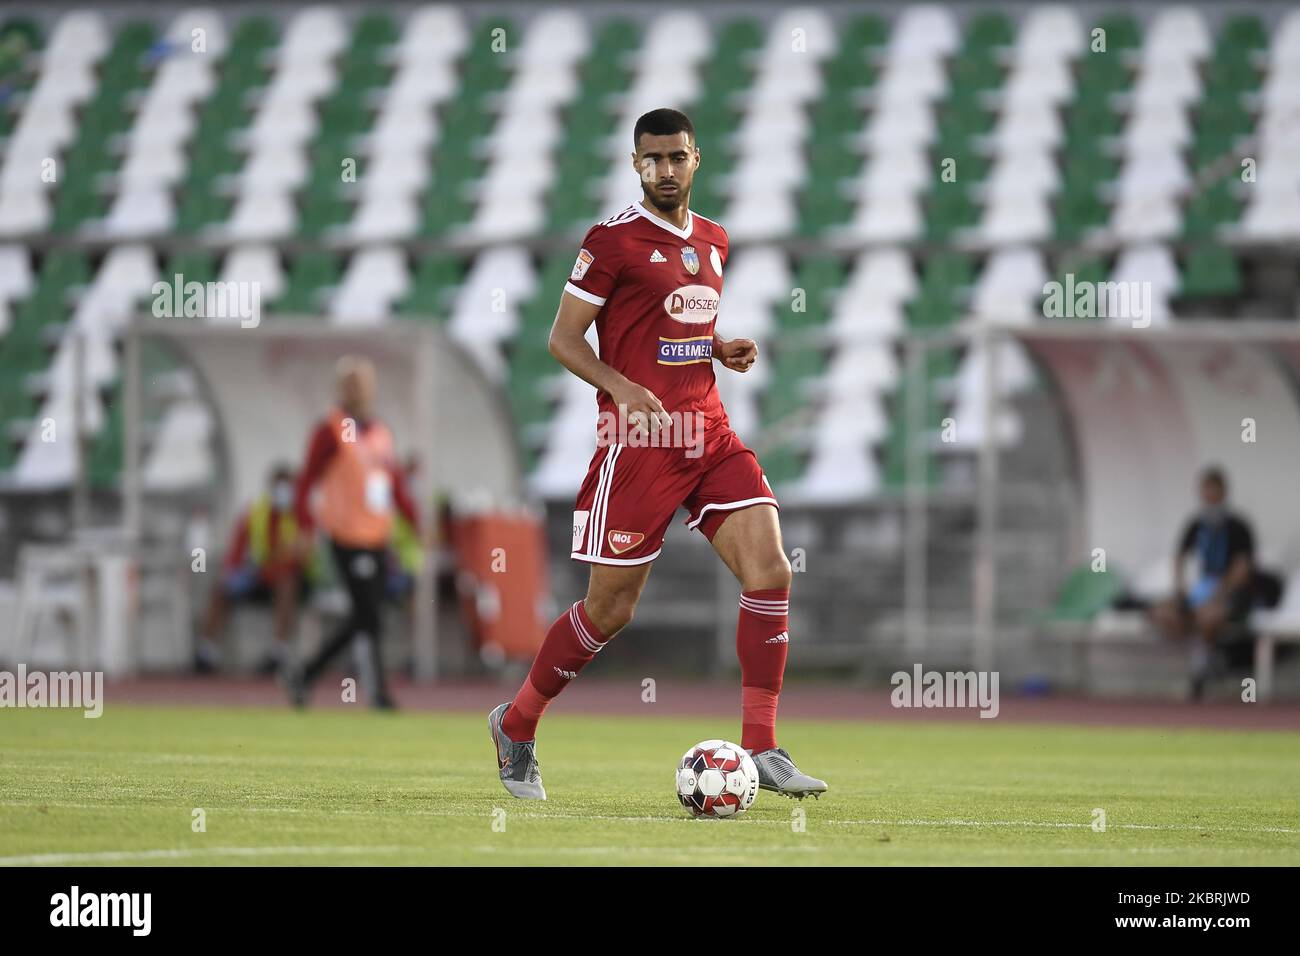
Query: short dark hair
[1213, 475]
[662, 122]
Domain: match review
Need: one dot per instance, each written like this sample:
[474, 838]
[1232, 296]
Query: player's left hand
[737, 354]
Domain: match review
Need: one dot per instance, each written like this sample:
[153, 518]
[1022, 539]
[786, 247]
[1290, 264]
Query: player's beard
[667, 203]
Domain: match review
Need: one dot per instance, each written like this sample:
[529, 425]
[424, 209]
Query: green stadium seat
[1122, 32]
[1083, 595]
[1242, 35]
[782, 464]
[106, 448]
[795, 367]
[435, 279]
[950, 208]
[311, 275]
[989, 30]
[1211, 208]
[864, 30]
[820, 277]
[1085, 270]
[1211, 271]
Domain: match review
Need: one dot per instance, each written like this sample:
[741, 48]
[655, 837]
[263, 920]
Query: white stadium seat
[257, 264]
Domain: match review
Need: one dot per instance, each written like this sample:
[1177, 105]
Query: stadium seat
[1084, 594]
[1210, 271]
[477, 173]
[373, 281]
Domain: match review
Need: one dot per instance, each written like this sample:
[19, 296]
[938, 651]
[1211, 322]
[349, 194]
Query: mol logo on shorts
[697, 348]
[620, 541]
[692, 304]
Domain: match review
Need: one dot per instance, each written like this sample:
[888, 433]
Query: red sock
[571, 642]
[762, 640]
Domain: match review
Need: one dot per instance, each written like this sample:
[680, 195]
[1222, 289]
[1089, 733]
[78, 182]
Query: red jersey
[659, 287]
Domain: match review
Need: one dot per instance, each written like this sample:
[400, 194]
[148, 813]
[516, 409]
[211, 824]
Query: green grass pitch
[340, 787]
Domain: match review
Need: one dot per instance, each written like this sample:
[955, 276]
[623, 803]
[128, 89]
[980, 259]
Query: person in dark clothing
[352, 460]
[1220, 592]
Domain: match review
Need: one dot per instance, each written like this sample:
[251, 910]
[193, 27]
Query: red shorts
[631, 493]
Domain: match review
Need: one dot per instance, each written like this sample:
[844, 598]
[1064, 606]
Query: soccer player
[351, 456]
[650, 277]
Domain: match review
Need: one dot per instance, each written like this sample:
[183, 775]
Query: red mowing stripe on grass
[814, 701]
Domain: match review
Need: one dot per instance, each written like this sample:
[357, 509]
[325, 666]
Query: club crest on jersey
[585, 259]
[620, 541]
[690, 259]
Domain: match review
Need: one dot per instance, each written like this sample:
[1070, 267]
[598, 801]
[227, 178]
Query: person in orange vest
[264, 565]
[352, 463]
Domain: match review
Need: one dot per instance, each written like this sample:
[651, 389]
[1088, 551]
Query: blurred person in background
[264, 565]
[351, 458]
[1221, 593]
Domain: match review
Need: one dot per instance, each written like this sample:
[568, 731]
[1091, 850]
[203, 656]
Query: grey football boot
[520, 772]
[777, 772]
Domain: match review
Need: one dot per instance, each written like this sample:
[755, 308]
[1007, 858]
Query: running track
[815, 701]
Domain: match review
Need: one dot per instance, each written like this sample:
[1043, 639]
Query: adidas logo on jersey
[567, 675]
[782, 638]
[657, 256]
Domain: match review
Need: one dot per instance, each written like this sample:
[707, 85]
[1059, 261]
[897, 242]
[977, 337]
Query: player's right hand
[641, 408]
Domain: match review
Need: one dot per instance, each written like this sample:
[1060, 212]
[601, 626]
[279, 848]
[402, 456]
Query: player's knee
[611, 612]
[768, 572]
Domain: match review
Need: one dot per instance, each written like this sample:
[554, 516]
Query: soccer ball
[717, 779]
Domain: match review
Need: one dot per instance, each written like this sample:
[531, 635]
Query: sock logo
[620, 541]
[782, 638]
[567, 675]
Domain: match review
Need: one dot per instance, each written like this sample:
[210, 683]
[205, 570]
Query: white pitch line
[749, 821]
[115, 856]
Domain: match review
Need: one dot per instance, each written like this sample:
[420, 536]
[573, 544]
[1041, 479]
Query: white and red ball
[717, 779]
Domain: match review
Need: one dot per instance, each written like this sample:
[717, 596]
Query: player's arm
[320, 449]
[1240, 570]
[736, 354]
[569, 345]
